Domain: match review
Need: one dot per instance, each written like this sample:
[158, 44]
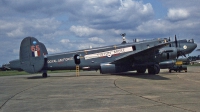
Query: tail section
[32, 55]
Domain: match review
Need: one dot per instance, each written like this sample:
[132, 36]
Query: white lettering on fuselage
[59, 60]
[109, 53]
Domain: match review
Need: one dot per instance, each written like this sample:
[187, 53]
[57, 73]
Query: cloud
[26, 27]
[55, 50]
[64, 41]
[84, 31]
[107, 15]
[96, 39]
[178, 14]
[67, 25]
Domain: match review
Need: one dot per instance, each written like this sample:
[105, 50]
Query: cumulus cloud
[177, 14]
[84, 31]
[26, 27]
[55, 50]
[96, 39]
[64, 41]
[106, 14]
[60, 24]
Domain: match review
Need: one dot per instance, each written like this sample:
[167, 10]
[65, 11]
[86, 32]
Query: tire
[44, 75]
[152, 70]
[157, 68]
[141, 71]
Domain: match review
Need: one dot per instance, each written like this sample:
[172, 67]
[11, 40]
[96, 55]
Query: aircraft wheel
[157, 68]
[142, 70]
[44, 75]
[152, 70]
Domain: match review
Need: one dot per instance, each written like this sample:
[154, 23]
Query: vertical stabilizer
[31, 55]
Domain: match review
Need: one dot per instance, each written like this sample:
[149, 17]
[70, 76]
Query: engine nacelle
[167, 64]
[112, 68]
[168, 53]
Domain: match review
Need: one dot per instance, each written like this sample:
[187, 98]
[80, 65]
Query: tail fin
[42, 46]
[32, 55]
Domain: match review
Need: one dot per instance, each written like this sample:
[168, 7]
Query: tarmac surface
[92, 91]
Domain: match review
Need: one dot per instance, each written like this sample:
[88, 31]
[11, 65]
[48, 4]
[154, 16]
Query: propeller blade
[176, 42]
[169, 41]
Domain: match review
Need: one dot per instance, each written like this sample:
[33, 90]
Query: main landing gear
[154, 69]
[44, 74]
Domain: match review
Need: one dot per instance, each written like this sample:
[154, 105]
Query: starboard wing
[138, 53]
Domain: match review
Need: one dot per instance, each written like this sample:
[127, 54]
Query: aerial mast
[123, 38]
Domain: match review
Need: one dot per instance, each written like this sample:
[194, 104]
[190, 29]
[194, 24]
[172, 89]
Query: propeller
[170, 45]
[179, 50]
[176, 42]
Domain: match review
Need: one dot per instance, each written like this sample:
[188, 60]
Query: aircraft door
[77, 59]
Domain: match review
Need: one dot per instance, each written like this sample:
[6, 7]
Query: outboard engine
[168, 53]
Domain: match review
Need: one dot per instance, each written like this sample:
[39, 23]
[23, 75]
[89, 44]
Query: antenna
[123, 38]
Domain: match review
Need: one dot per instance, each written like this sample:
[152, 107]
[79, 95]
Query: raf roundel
[34, 42]
[184, 47]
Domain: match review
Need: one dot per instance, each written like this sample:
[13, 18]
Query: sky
[67, 25]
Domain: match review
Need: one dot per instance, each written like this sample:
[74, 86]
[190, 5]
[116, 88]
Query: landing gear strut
[44, 74]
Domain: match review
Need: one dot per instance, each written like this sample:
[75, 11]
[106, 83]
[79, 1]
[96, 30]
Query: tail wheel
[44, 75]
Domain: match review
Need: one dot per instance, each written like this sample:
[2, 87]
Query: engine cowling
[167, 64]
[168, 53]
[112, 68]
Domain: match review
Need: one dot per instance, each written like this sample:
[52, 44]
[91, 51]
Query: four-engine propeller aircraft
[110, 59]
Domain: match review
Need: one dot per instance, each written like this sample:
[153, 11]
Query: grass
[14, 72]
[198, 64]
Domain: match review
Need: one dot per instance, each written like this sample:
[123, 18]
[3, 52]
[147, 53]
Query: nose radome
[192, 47]
[195, 45]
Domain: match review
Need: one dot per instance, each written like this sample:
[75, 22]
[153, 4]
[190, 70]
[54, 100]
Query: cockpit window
[191, 40]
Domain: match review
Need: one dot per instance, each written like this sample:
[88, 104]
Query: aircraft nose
[195, 46]
[191, 47]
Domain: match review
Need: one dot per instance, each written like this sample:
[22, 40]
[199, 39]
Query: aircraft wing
[138, 53]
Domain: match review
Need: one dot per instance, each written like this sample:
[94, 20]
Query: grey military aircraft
[138, 56]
